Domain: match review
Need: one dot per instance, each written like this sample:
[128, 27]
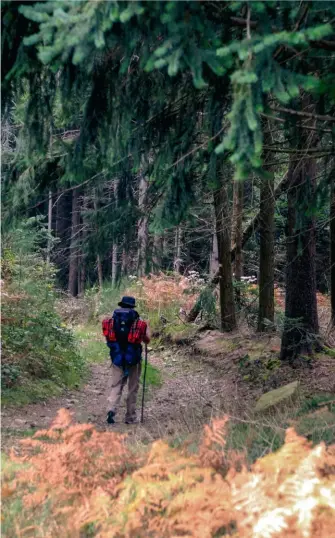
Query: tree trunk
[142, 225]
[82, 276]
[301, 318]
[62, 231]
[332, 247]
[100, 273]
[114, 264]
[247, 233]
[177, 250]
[214, 259]
[73, 262]
[157, 253]
[237, 233]
[115, 244]
[266, 256]
[222, 222]
[49, 226]
[124, 260]
[99, 262]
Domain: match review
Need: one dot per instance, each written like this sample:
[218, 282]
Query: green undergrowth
[313, 418]
[91, 342]
[164, 321]
[30, 391]
[39, 352]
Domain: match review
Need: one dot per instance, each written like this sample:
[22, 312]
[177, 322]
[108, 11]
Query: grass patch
[315, 401]
[313, 418]
[153, 377]
[91, 345]
[256, 439]
[30, 392]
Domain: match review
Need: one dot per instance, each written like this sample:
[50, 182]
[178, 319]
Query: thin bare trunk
[266, 256]
[82, 277]
[124, 262]
[177, 250]
[142, 225]
[214, 259]
[82, 263]
[223, 224]
[49, 225]
[115, 244]
[114, 264]
[99, 263]
[73, 262]
[157, 253]
[100, 274]
[237, 233]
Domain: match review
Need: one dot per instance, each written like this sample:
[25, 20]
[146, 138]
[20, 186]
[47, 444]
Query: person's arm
[147, 335]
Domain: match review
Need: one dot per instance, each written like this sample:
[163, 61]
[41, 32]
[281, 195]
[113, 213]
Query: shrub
[36, 345]
[164, 298]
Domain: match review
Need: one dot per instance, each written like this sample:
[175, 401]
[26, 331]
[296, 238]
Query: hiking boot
[110, 417]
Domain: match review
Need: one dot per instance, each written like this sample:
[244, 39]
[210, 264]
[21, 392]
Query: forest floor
[210, 376]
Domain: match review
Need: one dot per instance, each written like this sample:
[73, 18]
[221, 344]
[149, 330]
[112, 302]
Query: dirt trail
[191, 392]
[199, 381]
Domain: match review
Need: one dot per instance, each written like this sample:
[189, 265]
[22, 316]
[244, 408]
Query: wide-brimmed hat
[127, 302]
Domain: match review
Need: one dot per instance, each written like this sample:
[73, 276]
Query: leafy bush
[36, 345]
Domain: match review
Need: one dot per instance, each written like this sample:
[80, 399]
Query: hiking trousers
[118, 382]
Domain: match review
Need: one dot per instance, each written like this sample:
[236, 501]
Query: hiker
[124, 333]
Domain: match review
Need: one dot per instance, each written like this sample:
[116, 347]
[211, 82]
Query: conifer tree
[182, 81]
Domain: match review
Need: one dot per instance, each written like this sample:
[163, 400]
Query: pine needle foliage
[119, 45]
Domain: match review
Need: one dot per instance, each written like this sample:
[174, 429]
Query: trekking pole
[144, 376]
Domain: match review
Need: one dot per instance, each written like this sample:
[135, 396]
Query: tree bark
[49, 226]
[222, 223]
[114, 264]
[62, 230]
[124, 263]
[177, 250]
[99, 263]
[157, 253]
[100, 273]
[142, 225]
[237, 233]
[115, 244]
[214, 259]
[247, 233]
[266, 256]
[301, 317]
[332, 247]
[82, 277]
[73, 261]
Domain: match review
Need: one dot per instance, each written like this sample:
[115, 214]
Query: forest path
[199, 381]
[190, 393]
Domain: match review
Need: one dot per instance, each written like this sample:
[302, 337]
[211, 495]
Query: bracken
[81, 482]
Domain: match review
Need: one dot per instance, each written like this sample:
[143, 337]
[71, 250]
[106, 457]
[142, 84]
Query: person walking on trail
[125, 331]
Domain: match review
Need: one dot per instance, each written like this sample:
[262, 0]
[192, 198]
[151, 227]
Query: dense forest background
[177, 136]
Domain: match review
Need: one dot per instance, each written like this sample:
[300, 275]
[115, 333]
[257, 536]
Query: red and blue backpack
[124, 333]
